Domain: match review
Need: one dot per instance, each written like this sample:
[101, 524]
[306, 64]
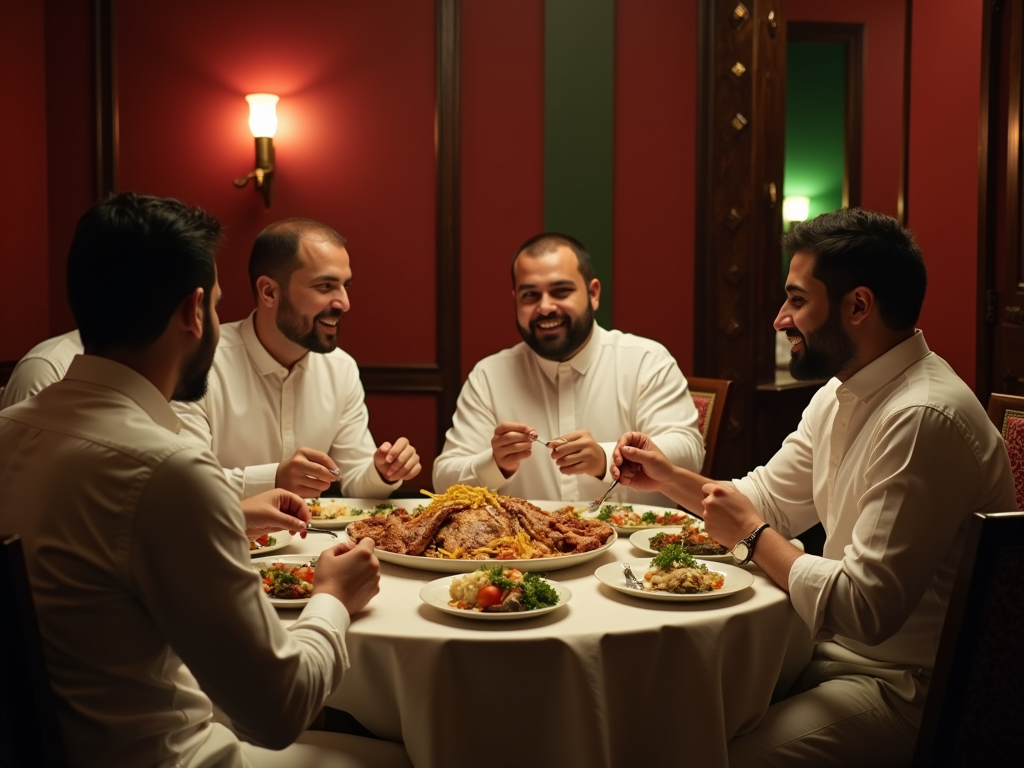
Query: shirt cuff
[810, 584]
[488, 472]
[328, 608]
[258, 478]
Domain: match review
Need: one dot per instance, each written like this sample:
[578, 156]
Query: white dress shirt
[616, 383]
[256, 414]
[42, 365]
[892, 463]
[139, 565]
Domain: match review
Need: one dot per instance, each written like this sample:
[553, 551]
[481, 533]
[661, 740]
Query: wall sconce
[263, 124]
[795, 209]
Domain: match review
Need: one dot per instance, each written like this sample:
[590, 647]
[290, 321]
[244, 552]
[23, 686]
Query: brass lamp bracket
[263, 174]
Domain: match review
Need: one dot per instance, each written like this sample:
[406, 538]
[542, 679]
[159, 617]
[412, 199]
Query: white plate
[282, 540]
[641, 540]
[736, 580]
[579, 506]
[436, 593]
[539, 564]
[364, 504]
[263, 562]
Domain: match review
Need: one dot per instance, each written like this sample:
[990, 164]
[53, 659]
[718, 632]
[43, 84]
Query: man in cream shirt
[570, 383]
[141, 562]
[285, 407]
[892, 457]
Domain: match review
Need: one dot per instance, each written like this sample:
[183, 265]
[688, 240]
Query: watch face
[741, 551]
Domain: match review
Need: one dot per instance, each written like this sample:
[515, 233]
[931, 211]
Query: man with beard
[135, 545]
[892, 457]
[571, 384]
[276, 415]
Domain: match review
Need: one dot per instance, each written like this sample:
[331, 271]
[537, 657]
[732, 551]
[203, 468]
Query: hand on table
[275, 510]
[350, 573]
[728, 514]
[511, 444]
[638, 463]
[577, 453]
[396, 462]
[307, 473]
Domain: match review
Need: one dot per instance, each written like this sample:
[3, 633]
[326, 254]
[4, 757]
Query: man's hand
[638, 463]
[511, 444]
[396, 462]
[275, 510]
[728, 514]
[350, 573]
[577, 453]
[307, 473]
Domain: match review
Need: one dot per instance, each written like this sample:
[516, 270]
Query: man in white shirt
[42, 365]
[137, 558]
[892, 457]
[285, 407]
[570, 384]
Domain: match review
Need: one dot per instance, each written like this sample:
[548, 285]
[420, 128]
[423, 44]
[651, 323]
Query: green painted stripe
[579, 116]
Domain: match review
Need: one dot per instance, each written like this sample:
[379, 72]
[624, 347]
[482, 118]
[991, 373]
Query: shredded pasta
[470, 496]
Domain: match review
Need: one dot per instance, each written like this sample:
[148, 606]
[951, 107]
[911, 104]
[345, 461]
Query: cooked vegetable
[672, 554]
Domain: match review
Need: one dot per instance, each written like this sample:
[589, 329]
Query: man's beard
[564, 348]
[295, 327]
[195, 374]
[827, 350]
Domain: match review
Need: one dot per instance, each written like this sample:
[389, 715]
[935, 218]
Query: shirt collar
[104, 372]
[884, 368]
[579, 362]
[263, 361]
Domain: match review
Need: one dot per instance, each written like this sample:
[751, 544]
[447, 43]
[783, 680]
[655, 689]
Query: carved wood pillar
[742, 78]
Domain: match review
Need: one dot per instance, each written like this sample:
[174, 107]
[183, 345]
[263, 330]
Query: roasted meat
[453, 527]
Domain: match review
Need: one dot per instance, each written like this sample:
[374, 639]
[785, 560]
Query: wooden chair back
[29, 735]
[1007, 413]
[975, 703]
[709, 395]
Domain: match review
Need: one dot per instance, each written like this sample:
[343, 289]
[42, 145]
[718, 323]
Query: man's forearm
[775, 556]
[684, 488]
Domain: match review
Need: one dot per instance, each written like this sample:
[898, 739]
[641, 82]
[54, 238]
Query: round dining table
[608, 679]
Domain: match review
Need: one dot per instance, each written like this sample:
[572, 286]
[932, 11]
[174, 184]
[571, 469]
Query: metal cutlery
[550, 443]
[313, 529]
[631, 581]
[593, 508]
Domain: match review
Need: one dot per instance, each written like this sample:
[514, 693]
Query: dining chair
[709, 395]
[975, 703]
[1007, 413]
[29, 735]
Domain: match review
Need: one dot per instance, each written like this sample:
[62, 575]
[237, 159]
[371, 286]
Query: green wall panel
[579, 112]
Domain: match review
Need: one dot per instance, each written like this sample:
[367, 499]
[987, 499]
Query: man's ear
[862, 304]
[268, 292]
[594, 289]
[190, 311]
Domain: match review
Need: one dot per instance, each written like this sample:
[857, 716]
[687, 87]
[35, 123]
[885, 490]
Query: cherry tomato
[487, 596]
[306, 574]
[263, 540]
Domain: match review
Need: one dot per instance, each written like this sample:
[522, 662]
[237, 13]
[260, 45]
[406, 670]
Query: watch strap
[751, 540]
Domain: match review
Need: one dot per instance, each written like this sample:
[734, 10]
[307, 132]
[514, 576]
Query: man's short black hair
[133, 259]
[275, 250]
[549, 242]
[854, 247]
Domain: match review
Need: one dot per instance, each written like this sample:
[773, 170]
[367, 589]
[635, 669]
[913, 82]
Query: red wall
[23, 247]
[502, 163]
[655, 172]
[945, 98]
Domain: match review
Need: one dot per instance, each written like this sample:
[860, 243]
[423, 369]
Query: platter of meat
[467, 527]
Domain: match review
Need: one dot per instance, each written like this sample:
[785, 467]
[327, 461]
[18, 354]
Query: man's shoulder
[62, 347]
[631, 344]
[510, 357]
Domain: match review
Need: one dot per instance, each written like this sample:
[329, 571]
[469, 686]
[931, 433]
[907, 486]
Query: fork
[598, 502]
[550, 443]
[313, 529]
[631, 581]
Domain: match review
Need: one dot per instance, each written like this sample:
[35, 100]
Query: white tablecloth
[608, 680]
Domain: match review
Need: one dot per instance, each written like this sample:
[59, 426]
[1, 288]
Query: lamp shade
[795, 208]
[262, 114]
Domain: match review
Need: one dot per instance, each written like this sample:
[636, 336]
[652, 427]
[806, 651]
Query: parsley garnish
[648, 518]
[671, 554]
[536, 593]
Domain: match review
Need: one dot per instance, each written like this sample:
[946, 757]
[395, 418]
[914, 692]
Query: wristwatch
[744, 550]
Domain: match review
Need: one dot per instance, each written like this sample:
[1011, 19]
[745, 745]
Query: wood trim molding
[902, 200]
[405, 379]
[105, 95]
[448, 218]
